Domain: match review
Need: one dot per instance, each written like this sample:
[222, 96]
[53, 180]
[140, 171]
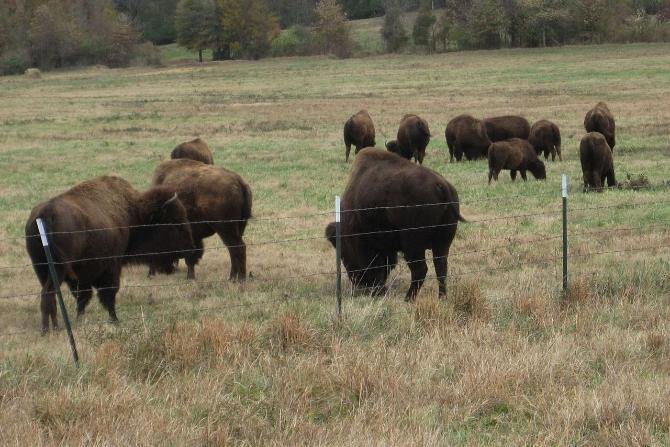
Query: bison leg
[48, 306]
[416, 261]
[346, 152]
[238, 253]
[421, 153]
[193, 257]
[512, 174]
[440, 264]
[523, 175]
[83, 296]
[611, 181]
[108, 287]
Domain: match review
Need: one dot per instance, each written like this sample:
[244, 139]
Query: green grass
[507, 360]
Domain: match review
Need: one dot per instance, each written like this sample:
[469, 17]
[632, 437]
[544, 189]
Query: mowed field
[506, 359]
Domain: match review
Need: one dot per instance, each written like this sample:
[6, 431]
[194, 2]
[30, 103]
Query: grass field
[505, 360]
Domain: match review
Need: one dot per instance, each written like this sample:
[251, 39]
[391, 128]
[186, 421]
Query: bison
[600, 119]
[597, 164]
[466, 135]
[194, 150]
[516, 155]
[95, 228]
[546, 137]
[391, 205]
[359, 131]
[501, 128]
[217, 201]
[412, 139]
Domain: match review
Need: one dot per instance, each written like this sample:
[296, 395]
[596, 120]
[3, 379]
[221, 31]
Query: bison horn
[170, 200]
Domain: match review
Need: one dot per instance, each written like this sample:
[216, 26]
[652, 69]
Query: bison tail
[247, 200]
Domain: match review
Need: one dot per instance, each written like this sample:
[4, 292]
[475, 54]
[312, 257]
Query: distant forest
[117, 33]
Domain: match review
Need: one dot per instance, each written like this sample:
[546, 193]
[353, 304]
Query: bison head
[538, 170]
[162, 234]
[367, 268]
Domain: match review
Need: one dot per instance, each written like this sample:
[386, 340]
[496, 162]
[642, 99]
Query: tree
[193, 24]
[332, 28]
[421, 33]
[488, 24]
[248, 27]
[393, 31]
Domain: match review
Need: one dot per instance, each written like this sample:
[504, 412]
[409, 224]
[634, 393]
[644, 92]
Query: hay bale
[33, 73]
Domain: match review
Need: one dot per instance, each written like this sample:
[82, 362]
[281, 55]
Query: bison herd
[508, 142]
[390, 205]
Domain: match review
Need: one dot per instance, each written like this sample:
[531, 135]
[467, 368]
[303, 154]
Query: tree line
[55, 33]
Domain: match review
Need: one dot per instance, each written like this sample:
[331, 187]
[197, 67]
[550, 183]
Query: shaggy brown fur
[516, 155]
[395, 189]
[359, 131]
[600, 119]
[413, 137]
[546, 137]
[501, 128]
[466, 135]
[194, 150]
[109, 221]
[597, 163]
[211, 194]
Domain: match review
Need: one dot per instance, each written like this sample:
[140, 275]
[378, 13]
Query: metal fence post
[338, 256]
[565, 232]
[54, 279]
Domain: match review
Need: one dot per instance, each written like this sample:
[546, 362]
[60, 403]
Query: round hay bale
[33, 73]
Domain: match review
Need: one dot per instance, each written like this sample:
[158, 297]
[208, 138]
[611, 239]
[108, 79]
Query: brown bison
[546, 137]
[217, 201]
[359, 131]
[467, 136]
[194, 150]
[516, 155]
[98, 226]
[412, 140]
[600, 119]
[391, 205]
[501, 128]
[597, 164]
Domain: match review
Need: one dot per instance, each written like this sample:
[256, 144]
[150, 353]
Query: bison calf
[194, 150]
[546, 138]
[95, 228]
[516, 155]
[501, 128]
[217, 201]
[391, 205]
[412, 139]
[467, 136]
[359, 131]
[600, 119]
[597, 163]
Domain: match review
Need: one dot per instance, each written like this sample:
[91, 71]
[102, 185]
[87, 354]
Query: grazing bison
[597, 164]
[413, 137]
[546, 137]
[194, 150]
[516, 155]
[600, 119]
[467, 136]
[95, 228]
[501, 128]
[391, 205]
[359, 131]
[217, 201]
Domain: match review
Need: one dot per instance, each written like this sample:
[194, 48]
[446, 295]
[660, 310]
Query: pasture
[507, 359]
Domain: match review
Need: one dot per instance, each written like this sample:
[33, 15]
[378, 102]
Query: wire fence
[496, 244]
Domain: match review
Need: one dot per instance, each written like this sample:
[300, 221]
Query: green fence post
[565, 232]
[55, 282]
[338, 256]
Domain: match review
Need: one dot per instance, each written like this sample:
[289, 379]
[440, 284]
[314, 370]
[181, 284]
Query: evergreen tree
[421, 34]
[193, 24]
[393, 31]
